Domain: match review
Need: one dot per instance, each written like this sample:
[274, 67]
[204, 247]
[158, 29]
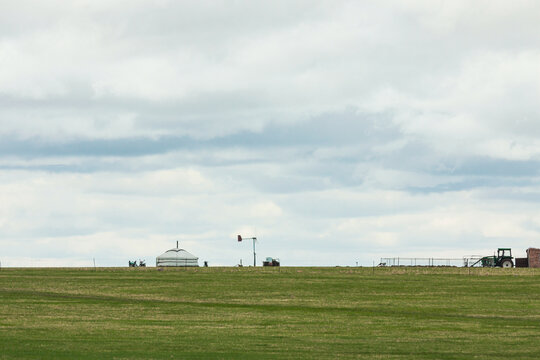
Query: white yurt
[177, 257]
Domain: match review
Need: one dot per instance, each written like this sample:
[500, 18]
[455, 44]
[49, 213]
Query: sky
[336, 132]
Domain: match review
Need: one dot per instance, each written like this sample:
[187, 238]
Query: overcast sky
[335, 132]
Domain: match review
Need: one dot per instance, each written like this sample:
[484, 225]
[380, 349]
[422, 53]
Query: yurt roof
[177, 253]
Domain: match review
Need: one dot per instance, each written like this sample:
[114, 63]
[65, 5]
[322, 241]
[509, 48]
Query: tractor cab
[504, 252]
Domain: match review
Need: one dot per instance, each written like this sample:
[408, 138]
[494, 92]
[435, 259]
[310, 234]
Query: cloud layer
[335, 132]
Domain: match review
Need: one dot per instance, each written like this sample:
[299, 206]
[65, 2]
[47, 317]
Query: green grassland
[270, 313]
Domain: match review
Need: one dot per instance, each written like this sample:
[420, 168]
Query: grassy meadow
[270, 313]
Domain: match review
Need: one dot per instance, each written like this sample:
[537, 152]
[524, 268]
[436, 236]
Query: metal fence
[405, 261]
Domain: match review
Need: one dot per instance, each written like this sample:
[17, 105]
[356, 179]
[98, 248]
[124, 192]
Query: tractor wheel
[507, 263]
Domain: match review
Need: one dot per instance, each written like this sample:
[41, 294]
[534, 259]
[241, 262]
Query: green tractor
[502, 259]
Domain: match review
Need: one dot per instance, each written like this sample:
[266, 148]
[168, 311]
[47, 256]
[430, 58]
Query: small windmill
[254, 254]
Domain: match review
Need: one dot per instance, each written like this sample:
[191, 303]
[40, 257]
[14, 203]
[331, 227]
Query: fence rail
[432, 261]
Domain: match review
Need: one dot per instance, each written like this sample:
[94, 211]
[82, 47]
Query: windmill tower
[254, 253]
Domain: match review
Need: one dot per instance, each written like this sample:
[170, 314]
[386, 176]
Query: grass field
[270, 313]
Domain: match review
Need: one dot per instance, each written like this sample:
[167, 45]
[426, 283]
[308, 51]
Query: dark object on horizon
[271, 262]
[206, 264]
[522, 262]
[142, 263]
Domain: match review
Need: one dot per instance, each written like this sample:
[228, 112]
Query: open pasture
[270, 313]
